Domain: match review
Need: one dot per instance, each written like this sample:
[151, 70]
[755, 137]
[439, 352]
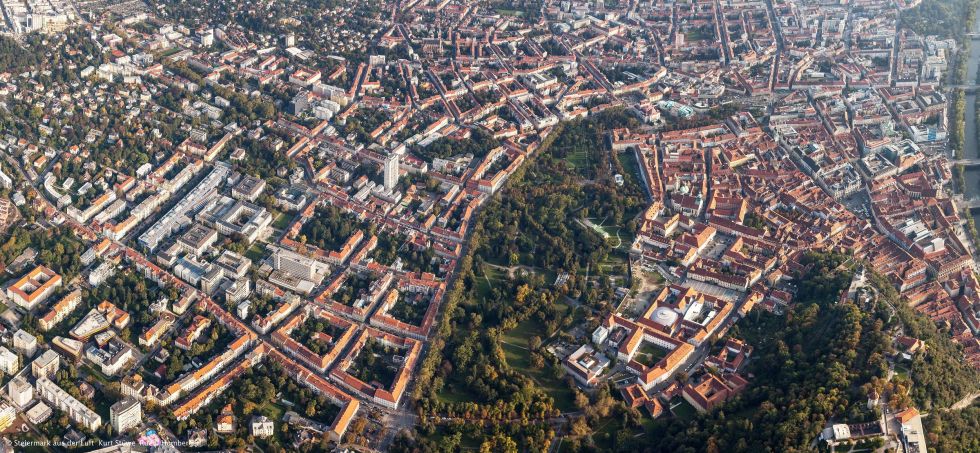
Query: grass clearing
[514, 344]
[454, 396]
[617, 235]
[616, 265]
[520, 359]
[649, 354]
[579, 159]
[466, 441]
[487, 277]
[682, 409]
[654, 277]
[902, 370]
[509, 12]
[603, 436]
[273, 410]
[255, 253]
[632, 167]
[282, 221]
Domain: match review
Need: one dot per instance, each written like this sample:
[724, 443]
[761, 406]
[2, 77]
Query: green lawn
[902, 370]
[616, 235]
[684, 410]
[525, 330]
[529, 327]
[255, 253]
[655, 276]
[616, 265]
[466, 441]
[632, 167]
[510, 12]
[486, 277]
[514, 345]
[494, 273]
[272, 410]
[100, 402]
[614, 259]
[169, 52]
[448, 395]
[610, 231]
[579, 159]
[698, 35]
[649, 354]
[97, 375]
[282, 221]
[649, 424]
[603, 436]
[519, 357]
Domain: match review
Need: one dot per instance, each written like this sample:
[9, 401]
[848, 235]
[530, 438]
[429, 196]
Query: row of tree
[533, 225]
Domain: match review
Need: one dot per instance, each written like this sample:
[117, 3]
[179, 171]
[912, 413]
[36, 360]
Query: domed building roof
[664, 316]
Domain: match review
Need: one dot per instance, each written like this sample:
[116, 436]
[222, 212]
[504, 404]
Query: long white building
[77, 412]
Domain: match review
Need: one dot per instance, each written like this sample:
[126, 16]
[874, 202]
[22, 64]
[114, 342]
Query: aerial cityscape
[489, 225]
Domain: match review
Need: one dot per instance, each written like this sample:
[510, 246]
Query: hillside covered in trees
[954, 431]
[809, 366]
[817, 363]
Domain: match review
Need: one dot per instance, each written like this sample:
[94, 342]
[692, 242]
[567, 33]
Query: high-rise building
[9, 362]
[125, 414]
[46, 365]
[25, 343]
[20, 391]
[298, 266]
[243, 308]
[391, 172]
[7, 416]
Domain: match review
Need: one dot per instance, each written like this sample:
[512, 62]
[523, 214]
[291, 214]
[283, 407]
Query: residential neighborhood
[254, 225]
